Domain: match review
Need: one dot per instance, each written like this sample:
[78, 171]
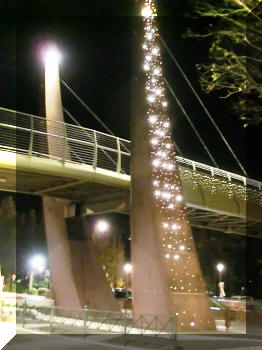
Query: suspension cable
[203, 105]
[88, 108]
[191, 123]
[92, 113]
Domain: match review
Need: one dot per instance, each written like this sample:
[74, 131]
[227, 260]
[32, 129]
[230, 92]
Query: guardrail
[27, 134]
[57, 320]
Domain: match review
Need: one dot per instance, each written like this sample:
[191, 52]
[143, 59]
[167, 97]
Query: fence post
[52, 311]
[31, 137]
[95, 151]
[118, 168]
[125, 326]
[65, 144]
[24, 314]
[174, 332]
[85, 310]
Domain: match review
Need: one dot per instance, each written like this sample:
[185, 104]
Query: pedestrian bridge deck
[93, 167]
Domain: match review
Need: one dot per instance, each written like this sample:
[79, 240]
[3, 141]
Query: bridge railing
[32, 135]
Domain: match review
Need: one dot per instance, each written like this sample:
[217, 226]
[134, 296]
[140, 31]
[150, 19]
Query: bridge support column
[66, 294]
[167, 277]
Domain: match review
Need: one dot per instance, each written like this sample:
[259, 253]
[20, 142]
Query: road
[32, 341]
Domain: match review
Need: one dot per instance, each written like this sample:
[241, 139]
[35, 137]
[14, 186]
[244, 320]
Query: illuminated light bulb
[154, 141]
[156, 71]
[155, 51]
[146, 67]
[164, 165]
[155, 183]
[169, 246]
[174, 226]
[156, 162]
[151, 98]
[157, 193]
[147, 11]
[170, 166]
[171, 206]
[153, 80]
[166, 195]
[179, 198]
[192, 324]
[167, 256]
[168, 145]
[144, 47]
[182, 247]
[166, 124]
[164, 104]
[166, 185]
[152, 119]
[182, 288]
[165, 224]
[149, 36]
[176, 257]
[148, 58]
[158, 92]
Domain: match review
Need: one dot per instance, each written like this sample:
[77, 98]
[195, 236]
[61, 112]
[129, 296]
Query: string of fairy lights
[178, 248]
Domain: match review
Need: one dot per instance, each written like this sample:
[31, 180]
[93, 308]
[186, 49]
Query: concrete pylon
[71, 286]
[167, 278]
[66, 294]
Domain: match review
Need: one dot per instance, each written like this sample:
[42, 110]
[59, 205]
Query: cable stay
[92, 113]
[191, 123]
[91, 139]
[203, 105]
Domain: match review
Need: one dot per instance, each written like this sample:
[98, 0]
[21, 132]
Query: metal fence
[29, 134]
[57, 320]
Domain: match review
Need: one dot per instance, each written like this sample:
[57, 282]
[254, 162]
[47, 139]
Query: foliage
[8, 237]
[32, 291]
[42, 291]
[234, 31]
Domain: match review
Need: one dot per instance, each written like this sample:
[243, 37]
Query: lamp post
[128, 269]
[220, 268]
[37, 264]
[102, 226]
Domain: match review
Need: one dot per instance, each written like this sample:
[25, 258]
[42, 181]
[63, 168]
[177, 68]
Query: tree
[8, 237]
[234, 28]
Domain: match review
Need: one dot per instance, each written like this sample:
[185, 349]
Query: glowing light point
[164, 104]
[167, 256]
[156, 162]
[152, 119]
[176, 256]
[147, 11]
[179, 198]
[52, 56]
[146, 67]
[182, 247]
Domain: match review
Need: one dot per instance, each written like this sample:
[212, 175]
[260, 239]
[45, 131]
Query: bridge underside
[113, 196]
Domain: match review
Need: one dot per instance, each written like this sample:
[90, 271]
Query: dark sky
[97, 64]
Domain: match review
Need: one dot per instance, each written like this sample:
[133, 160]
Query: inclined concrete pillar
[85, 283]
[149, 283]
[167, 278]
[66, 294]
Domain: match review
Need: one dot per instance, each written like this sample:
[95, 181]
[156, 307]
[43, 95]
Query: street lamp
[102, 226]
[37, 264]
[220, 268]
[128, 269]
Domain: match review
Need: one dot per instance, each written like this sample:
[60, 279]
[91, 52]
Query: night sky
[96, 43]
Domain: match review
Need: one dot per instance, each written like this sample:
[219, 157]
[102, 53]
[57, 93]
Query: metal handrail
[101, 142]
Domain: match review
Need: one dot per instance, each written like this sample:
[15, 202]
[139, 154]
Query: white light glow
[52, 56]
[38, 263]
[102, 226]
[128, 268]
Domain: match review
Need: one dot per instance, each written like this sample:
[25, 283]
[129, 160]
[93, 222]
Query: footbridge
[96, 171]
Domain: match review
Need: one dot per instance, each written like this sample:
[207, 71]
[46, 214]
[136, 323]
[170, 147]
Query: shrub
[42, 291]
[32, 291]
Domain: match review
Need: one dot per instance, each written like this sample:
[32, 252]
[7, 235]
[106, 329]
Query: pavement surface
[32, 341]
